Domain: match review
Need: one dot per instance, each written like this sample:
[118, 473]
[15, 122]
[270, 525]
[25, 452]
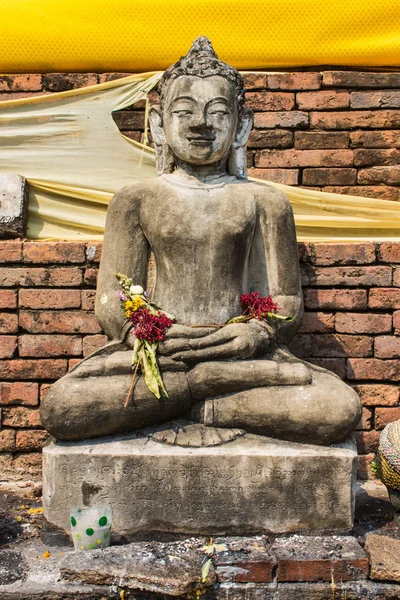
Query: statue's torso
[201, 239]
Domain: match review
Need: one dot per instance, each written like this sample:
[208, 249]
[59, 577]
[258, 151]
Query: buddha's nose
[200, 121]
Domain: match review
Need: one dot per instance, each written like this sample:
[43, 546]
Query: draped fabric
[75, 158]
[139, 35]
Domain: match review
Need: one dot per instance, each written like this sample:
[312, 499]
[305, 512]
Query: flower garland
[150, 324]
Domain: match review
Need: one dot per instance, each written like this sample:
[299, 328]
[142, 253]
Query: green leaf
[151, 350]
[279, 317]
[205, 569]
[148, 373]
[136, 347]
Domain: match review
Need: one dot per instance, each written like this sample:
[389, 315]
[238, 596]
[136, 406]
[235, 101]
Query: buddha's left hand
[237, 340]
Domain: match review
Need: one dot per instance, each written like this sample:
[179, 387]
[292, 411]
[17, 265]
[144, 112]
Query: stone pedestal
[252, 485]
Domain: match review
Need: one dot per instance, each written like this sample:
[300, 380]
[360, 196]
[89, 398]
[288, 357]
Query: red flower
[258, 307]
[148, 326]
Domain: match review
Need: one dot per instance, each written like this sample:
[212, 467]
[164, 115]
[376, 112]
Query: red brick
[30, 277]
[335, 299]
[19, 393]
[33, 369]
[90, 276]
[376, 175]
[365, 423]
[8, 299]
[73, 362]
[21, 83]
[7, 440]
[389, 252]
[19, 416]
[27, 466]
[60, 82]
[8, 345]
[255, 80]
[129, 119]
[331, 176]
[246, 560]
[8, 323]
[368, 191]
[336, 365]
[50, 345]
[282, 120]
[396, 276]
[375, 139]
[396, 321]
[387, 346]
[381, 99]
[363, 323]
[92, 343]
[93, 251]
[364, 470]
[88, 299]
[323, 100]
[54, 252]
[294, 81]
[326, 254]
[367, 441]
[105, 77]
[44, 388]
[376, 394]
[361, 79]
[384, 416]
[317, 322]
[137, 136]
[373, 368]
[332, 346]
[304, 158]
[12, 96]
[10, 251]
[366, 157]
[356, 119]
[284, 176]
[384, 298]
[27, 441]
[267, 138]
[269, 100]
[309, 140]
[311, 558]
[59, 322]
[49, 298]
[348, 276]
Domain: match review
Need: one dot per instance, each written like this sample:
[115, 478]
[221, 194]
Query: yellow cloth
[139, 35]
[75, 158]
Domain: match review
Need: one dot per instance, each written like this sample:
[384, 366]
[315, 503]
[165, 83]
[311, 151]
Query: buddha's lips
[200, 141]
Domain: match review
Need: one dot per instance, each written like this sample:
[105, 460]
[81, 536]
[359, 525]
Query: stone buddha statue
[215, 235]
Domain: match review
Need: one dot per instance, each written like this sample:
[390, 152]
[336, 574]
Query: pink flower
[258, 307]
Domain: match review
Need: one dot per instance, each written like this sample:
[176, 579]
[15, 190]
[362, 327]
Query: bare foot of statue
[215, 236]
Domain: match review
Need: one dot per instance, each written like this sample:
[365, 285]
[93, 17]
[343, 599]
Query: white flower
[136, 290]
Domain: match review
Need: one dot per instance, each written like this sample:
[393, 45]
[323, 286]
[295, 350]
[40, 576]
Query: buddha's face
[200, 118]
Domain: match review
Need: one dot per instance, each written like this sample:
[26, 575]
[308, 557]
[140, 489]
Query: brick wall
[331, 130]
[338, 131]
[47, 324]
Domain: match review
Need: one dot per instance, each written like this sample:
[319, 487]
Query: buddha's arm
[274, 260]
[125, 250]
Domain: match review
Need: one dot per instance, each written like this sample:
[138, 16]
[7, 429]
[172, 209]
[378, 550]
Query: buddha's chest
[199, 217]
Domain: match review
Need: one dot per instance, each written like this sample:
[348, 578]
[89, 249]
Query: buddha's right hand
[236, 340]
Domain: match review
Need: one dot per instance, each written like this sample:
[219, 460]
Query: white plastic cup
[91, 527]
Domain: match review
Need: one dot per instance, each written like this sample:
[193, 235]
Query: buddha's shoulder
[136, 191]
[270, 197]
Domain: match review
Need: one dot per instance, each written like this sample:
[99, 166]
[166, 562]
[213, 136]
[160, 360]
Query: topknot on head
[202, 61]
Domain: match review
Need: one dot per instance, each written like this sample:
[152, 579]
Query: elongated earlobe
[237, 163]
[164, 158]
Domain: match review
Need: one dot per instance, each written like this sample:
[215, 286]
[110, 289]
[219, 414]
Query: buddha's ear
[244, 127]
[156, 128]
[164, 158]
[237, 162]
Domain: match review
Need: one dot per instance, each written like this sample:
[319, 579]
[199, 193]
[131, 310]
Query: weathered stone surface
[250, 485]
[13, 567]
[172, 569]
[384, 555]
[13, 206]
[310, 559]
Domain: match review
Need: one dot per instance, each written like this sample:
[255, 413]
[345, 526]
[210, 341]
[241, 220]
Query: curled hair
[202, 61]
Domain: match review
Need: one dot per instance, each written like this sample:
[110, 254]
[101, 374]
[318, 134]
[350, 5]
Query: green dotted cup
[91, 527]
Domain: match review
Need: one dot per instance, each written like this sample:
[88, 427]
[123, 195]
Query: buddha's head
[201, 119]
